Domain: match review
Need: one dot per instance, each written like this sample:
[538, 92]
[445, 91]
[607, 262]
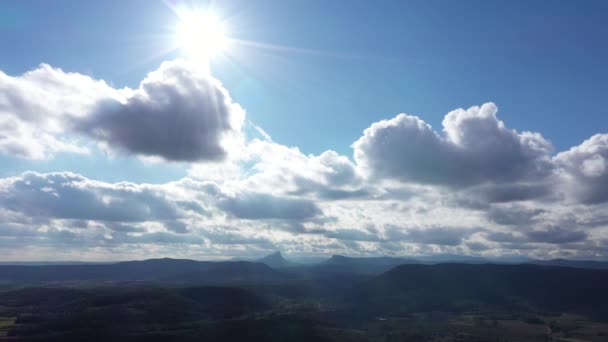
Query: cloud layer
[475, 187]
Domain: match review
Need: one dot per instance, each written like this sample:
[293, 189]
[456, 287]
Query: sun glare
[200, 34]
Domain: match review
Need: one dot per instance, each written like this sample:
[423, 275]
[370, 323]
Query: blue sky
[543, 64]
[315, 74]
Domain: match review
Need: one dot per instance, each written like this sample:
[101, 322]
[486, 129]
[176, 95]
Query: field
[5, 324]
[192, 301]
[232, 314]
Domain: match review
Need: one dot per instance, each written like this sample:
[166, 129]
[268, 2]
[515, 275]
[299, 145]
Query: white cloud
[475, 147]
[70, 196]
[584, 170]
[178, 113]
[476, 186]
[33, 108]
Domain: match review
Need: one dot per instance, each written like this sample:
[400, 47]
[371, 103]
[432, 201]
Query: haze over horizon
[183, 129]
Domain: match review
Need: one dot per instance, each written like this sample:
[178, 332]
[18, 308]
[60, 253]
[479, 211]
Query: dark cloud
[556, 235]
[505, 237]
[502, 193]
[477, 246]
[176, 226]
[474, 147]
[265, 206]
[468, 201]
[178, 113]
[513, 215]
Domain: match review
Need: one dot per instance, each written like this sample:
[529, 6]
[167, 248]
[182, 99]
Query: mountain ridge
[162, 269]
[276, 260]
[471, 287]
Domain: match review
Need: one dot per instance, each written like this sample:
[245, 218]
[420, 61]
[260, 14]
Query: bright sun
[200, 34]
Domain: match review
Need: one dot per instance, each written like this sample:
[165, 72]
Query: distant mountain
[470, 288]
[147, 270]
[386, 263]
[600, 265]
[276, 260]
[451, 258]
[512, 259]
[366, 265]
[46, 263]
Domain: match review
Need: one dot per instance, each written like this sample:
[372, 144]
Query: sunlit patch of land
[5, 324]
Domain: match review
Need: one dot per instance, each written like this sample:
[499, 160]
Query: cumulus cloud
[476, 186]
[280, 170]
[329, 176]
[584, 170]
[178, 113]
[45, 93]
[24, 140]
[474, 147]
[34, 106]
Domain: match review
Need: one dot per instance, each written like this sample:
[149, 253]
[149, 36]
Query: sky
[315, 128]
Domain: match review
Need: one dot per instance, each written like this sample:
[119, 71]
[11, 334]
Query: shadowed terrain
[341, 299]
